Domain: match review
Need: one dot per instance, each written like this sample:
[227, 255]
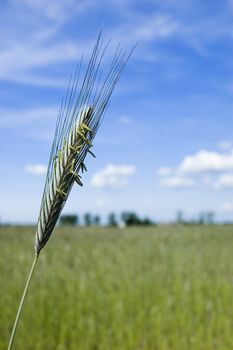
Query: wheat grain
[76, 128]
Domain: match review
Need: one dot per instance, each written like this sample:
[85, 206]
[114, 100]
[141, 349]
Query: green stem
[21, 304]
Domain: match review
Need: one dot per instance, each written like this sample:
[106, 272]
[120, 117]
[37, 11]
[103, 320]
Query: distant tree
[71, 220]
[210, 217]
[112, 221]
[206, 218]
[130, 219]
[96, 220]
[180, 217]
[201, 219]
[87, 219]
[147, 222]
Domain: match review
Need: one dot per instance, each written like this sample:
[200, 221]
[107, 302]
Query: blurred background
[166, 144]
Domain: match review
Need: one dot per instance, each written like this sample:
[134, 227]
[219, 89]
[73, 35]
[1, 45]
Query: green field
[166, 287]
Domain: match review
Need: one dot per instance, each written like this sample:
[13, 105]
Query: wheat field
[164, 287]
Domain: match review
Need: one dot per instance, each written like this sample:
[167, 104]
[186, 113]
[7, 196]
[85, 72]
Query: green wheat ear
[78, 121]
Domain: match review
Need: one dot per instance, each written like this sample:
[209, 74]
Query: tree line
[127, 218]
[203, 218]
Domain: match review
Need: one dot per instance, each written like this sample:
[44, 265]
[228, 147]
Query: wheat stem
[21, 304]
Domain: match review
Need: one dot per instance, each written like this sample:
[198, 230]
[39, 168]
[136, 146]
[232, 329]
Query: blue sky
[166, 142]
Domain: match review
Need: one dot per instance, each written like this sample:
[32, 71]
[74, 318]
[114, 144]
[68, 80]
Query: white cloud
[147, 28]
[204, 161]
[36, 169]
[177, 182]
[15, 65]
[32, 42]
[158, 26]
[57, 10]
[211, 169]
[227, 207]
[113, 176]
[39, 24]
[164, 171]
[165, 23]
[11, 118]
[225, 180]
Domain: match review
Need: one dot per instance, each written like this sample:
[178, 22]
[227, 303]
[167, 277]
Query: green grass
[141, 288]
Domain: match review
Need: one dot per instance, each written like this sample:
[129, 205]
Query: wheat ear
[78, 121]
